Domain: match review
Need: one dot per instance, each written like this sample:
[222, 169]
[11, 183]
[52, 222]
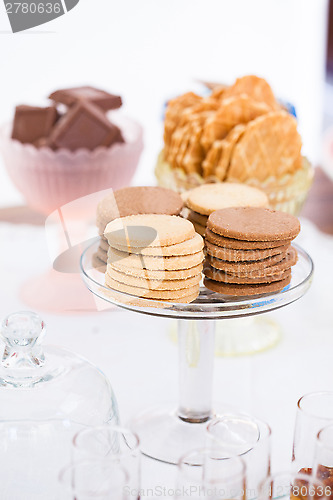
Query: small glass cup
[323, 462]
[32, 452]
[208, 474]
[111, 444]
[314, 412]
[94, 479]
[289, 486]
[249, 438]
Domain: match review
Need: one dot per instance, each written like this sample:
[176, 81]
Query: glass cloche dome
[41, 383]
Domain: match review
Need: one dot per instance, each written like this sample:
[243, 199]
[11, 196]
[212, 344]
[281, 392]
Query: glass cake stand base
[166, 435]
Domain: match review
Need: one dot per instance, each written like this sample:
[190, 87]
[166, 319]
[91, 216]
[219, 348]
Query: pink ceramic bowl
[49, 179]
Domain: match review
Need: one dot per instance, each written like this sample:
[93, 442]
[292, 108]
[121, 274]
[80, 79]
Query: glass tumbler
[31, 455]
[289, 486]
[249, 438]
[323, 461]
[314, 412]
[111, 444]
[94, 479]
[208, 474]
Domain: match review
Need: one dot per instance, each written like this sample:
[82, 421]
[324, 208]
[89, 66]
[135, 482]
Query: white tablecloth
[138, 355]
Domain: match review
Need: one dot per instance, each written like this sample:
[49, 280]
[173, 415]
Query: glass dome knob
[22, 334]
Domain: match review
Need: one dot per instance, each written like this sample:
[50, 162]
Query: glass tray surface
[208, 305]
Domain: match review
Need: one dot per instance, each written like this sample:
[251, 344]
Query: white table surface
[138, 355]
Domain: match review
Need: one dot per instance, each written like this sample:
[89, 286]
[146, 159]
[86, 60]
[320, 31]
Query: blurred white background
[149, 50]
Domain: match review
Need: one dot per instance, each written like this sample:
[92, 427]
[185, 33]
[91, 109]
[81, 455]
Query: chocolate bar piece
[32, 123]
[100, 98]
[84, 126]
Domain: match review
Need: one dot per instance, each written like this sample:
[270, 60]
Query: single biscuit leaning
[254, 224]
[187, 247]
[124, 260]
[214, 274]
[222, 241]
[244, 267]
[207, 198]
[156, 275]
[243, 255]
[148, 231]
[153, 284]
[246, 290]
[150, 294]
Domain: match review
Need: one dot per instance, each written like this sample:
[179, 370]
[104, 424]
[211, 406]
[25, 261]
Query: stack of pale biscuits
[132, 201]
[205, 199]
[158, 257]
[249, 251]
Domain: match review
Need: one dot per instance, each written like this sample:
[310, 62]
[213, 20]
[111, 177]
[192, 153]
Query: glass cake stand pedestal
[166, 434]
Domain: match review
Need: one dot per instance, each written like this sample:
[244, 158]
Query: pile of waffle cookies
[156, 257]
[237, 133]
[249, 250]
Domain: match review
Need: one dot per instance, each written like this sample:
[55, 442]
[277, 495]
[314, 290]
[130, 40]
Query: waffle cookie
[157, 257]
[248, 251]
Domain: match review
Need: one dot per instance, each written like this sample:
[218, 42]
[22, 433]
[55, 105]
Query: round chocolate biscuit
[124, 260]
[157, 275]
[150, 294]
[254, 224]
[207, 198]
[244, 267]
[187, 247]
[142, 231]
[137, 200]
[150, 284]
[197, 218]
[242, 255]
[215, 275]
[222, 241]
[246, 290]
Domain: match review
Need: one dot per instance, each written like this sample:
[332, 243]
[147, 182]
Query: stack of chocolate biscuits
[205, 199]
[132, 201]
[157, 257]
[249, 250]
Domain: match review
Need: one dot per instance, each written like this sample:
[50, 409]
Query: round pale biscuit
[236, 267]
[157, 275]
[197, 218]
[137, 200]
[132, 301]
[149, 231]
[222, 241]
[215, 275]
[187, 247]
[254, 224]
[246, 290]
[150, 294]
[242, 255]
[125, 260]
[153, 284]
[207, 198]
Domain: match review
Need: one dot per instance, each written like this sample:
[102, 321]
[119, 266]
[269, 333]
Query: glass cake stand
[166, 434]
